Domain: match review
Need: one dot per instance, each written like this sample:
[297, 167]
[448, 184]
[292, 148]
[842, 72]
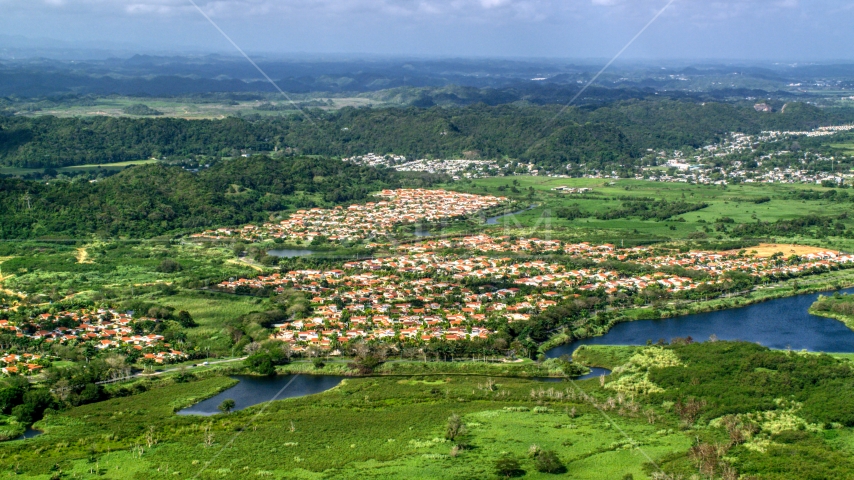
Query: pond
[30, 433]
[288, 253]
[494, 220]
[595, 372]
[254, 390]
[780, 324]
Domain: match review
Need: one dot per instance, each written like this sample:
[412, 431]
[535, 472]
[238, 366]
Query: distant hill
[618, 133]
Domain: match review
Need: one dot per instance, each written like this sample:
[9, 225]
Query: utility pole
[27, 199]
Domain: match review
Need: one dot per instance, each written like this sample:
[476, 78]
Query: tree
[547, 461]
[226, 406]
[689, 409]
[186, 320]
[261, 363]
[507, 467]
[366, 364]
[117, 367]
[169, 266]
[456, 428]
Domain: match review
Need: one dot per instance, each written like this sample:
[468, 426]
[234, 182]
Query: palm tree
[226, 406]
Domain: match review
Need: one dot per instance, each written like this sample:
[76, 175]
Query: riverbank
[522, 368]
[605, 356]
[830, 281]
[846, 319]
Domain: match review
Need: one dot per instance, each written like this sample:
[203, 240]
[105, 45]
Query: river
[780, 324]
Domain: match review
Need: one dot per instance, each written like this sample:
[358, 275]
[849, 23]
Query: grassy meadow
[733, 201]
[93, 168]
[366, 427]
[634, 425]
[60, 269]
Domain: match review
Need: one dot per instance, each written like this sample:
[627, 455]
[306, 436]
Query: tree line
[613, 136]
[153, 200]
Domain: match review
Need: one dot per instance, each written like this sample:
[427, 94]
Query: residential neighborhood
[102, 329]
[455, 168]
[364, 221]
[424, 294]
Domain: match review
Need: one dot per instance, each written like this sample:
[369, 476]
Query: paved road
[168, 370]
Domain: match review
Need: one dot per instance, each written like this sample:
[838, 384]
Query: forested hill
[151, 200]
[616, 133]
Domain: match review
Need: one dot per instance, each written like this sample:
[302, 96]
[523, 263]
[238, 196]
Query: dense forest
[151, 200]
[618, 134]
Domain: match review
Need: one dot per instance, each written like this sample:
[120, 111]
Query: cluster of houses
[374, 160]
[362, 221]
[699, 174]
[13, 364]
[104, 329]
[420, 296]
[719, 263]
[823, 131]
[456, 168]
[488, 243]
[705, 167]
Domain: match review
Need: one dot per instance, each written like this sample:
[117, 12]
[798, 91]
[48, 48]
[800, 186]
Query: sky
[771, 30]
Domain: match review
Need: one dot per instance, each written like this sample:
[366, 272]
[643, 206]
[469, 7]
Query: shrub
[508, 466]
[169, 266]
[261, 363]
[456, 428]
[547, 461]
[366, 364]
[186, 320]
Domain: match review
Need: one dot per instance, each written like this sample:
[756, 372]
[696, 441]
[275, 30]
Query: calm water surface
[595, 372]
[778, 324]
[30, 433]
[254, 390]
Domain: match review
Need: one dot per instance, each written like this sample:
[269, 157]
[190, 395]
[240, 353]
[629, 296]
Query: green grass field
[212, 311]
[77, 168]
[732, 202]
[368, 428]
[847, 148]
[46, 267]
[395, 427]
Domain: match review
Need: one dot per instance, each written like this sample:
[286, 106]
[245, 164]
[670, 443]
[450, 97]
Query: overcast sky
[788, 30]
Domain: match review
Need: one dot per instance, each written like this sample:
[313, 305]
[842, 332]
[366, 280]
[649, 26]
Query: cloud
[462, 9]
[554, 27]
